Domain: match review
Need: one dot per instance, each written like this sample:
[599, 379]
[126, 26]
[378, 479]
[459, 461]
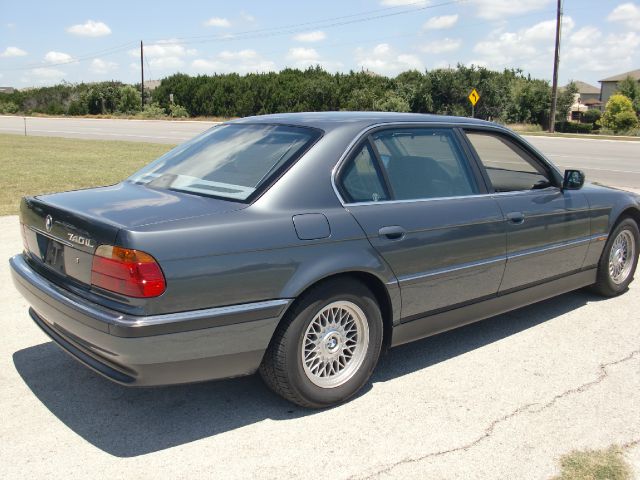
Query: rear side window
[424, 163]
[361, 179]
[230, 161]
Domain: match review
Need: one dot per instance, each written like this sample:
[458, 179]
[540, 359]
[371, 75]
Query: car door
[424, 208]
[547, 228]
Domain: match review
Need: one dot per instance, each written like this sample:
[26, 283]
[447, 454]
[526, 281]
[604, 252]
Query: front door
[547, 228]
[423, 207]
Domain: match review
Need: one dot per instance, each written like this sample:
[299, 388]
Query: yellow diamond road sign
[474, 96]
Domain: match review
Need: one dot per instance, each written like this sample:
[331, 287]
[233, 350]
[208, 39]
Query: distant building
[588, 96]
[609, 86]
[151, 84]
[7, 89]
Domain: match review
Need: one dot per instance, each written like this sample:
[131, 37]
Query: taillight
[129, 272]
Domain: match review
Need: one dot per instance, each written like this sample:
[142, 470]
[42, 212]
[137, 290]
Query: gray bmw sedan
[303, 245]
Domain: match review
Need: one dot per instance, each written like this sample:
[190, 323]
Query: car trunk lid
[63, 230]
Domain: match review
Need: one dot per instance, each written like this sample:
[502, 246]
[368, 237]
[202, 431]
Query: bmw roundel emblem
[48, 223]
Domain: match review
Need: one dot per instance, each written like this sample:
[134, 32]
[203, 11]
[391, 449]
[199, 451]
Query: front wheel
[326, 347]
[619, 259]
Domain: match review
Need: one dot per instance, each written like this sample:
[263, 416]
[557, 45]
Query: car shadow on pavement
[127, 422]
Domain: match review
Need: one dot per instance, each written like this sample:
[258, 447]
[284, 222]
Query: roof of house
[584, 87]
[635, 74]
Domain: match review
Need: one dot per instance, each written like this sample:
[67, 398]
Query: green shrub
[129, 100]
[573, 127]
[619, 114]
[153, 110]
[591, 116]
[178, 111]
[8, 108]
[77, 107]
[626, 121]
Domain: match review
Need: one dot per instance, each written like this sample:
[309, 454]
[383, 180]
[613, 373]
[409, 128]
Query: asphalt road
[502, 398]
[611, 162]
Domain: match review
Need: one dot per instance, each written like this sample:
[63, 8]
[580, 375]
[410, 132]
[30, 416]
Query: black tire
[605, 285]
[282, 367]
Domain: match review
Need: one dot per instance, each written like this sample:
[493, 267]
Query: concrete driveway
[503, 398]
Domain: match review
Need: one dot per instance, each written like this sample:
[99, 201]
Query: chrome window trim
[364, 132]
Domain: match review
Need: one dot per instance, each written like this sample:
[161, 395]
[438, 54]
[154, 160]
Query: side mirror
[573, 180]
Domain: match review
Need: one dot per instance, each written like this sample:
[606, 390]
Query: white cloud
[58, 57]
[247, 17]
[90, 28]
[217, 22]
[13, 52]
[165, 54]
[444, 21]
[442, 46]
[241, 61]
[385, 60]
[627, 14]
[315, 36]
[101, 67]
[497, 9]
[303, 54]
[610, 54]
[44, 74]
[529, 48]
[401, 3]
[585, 36]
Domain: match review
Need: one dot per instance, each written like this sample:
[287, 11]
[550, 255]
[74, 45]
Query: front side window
[230, 161]
[423, 163]
[509, 167]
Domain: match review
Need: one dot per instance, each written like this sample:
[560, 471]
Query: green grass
[607, 464]
[35, 165]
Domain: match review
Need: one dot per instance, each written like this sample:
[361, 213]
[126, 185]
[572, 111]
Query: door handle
[393, 232]
[517, 218]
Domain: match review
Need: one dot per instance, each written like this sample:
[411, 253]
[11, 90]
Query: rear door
[424, 208]
[547, 228]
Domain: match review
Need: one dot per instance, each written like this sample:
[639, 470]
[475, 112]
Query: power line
[332, 22]
[377, 13]
[78, 59]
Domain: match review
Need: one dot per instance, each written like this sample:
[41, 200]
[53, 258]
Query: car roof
[358, 120]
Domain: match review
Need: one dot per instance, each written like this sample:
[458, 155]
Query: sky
[46, 42]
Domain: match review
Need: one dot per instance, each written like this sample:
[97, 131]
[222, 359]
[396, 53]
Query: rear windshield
[230, 161]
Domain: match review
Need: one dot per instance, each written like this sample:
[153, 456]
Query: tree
[630, 88]
[619, 114]
[565, 100]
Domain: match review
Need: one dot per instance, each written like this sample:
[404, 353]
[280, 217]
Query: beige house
[609, 86]
[588, 96]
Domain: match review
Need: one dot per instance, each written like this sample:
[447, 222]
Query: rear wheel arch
[374, 284]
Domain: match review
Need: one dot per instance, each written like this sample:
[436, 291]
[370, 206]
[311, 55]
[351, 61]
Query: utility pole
[556, 64]
[142, 75]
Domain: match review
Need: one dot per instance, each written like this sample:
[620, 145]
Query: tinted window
[361, 180]
[230, 161]
[509, 167]
[423, 163]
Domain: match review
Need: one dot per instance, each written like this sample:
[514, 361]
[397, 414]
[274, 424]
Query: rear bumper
[153, 350]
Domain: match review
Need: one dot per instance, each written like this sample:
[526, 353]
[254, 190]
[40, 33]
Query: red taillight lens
[129, 272]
